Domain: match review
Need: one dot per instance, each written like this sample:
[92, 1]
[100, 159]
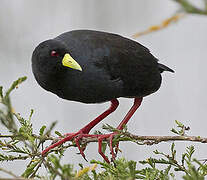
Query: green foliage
[120, 169]
[6, 114]
[192, 168]
[22, 144]
[181, 128]
[189, 7]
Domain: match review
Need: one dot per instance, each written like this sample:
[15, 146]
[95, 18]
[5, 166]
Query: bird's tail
[164, 68]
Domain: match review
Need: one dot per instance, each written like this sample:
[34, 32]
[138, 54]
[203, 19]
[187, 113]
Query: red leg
[137, 103]
[85, 130]
[112, 108]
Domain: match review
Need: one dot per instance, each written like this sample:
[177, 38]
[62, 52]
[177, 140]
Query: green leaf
[14, 85]
[183, 159]
[1, 93]
[190, 150]
[174, 131]
[30, 170]
[81, 165]
[156, 151]
[179, 124]
[172, 147]
[58, 133]
[42, 130]
[132, 168]
[173, 151]
[55, 161]
[30, 116]
[103, 147]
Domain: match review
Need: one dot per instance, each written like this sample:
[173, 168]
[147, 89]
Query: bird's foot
[80, 135]
[69, 137]
[100, 138]
[110, 137]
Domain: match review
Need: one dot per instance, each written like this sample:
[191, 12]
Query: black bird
[94, 67]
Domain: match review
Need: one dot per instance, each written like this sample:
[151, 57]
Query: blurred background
[181, 46]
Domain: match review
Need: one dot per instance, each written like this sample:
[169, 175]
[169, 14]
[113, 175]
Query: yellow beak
[68, 61]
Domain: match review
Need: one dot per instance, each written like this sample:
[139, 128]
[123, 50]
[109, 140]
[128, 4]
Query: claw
[80, 148]
[110, 137]
[117, 148]
[79, 135]
[111, 146]
[100, 139]
[84, 132]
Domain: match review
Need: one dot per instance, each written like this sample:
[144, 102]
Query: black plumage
[112, 67]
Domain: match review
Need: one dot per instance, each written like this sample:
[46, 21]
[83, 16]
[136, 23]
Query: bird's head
[52, 55]
[50, 60]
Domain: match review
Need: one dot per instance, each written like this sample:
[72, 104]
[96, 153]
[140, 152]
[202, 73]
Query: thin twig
[156, 139]
[161, 26]
[50, 167]
[8, 172]
[35, 171]
[34, 135]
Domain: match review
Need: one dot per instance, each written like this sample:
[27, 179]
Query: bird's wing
[124, 61]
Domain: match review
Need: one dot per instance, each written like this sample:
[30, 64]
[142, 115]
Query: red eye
[54, 53]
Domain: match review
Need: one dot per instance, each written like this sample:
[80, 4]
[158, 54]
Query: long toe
[81, 150]
[111, 147]
[100, 139]
[60, 142]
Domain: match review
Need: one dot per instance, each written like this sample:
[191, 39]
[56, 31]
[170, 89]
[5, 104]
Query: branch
[157, 139]
[124, 136]
[186, 8]
[161, 26]
[149, 140]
